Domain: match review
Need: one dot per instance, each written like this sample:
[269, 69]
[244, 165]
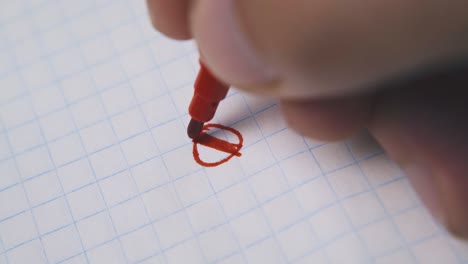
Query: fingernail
[225, 48]
[424, 184]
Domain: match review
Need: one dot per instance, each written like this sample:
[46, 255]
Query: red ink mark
[218, 144]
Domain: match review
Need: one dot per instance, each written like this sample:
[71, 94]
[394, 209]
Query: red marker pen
[206, 97]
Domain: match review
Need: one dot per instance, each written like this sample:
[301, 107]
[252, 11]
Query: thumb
[422, 126]
[292, 49]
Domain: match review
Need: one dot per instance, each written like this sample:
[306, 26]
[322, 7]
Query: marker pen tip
[194, 128]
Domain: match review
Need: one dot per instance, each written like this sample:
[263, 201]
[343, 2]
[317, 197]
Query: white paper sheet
[96, 167]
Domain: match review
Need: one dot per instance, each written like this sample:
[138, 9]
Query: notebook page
[96, 167]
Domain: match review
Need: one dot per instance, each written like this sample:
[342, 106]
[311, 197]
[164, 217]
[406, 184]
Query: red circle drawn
[238, 146]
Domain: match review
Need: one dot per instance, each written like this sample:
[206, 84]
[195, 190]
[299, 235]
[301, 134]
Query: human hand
[340, 66]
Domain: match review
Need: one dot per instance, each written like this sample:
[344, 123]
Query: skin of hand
[393, 67]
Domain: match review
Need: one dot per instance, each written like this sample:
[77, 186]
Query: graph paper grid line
[243, 221]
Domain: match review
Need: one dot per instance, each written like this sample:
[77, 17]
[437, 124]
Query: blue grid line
[386, 252]
[167, 183]
[58, 23]
[422, 240]
[167, 170]
[458, 255]
[98, 186]
[131, 173]
[371, 156]
[100, 179]
[373, 190]
[94, 94]
[163, 161]
[28, 202]
[327, 243]
[59, 180]
[106, 88]
[84, 69]
[259, 205]
[41, 235]
[310, 228]
[134, 106]
[50, 54]
[383, 218]
[273, 165]
[337, 201]
[254, 208]
[443, 232]
[23, 188]
[161, 154]
[70, 257]
[105, 177]
[228, 256]
[340, 204]
[22, 15]
[291, 190]
[94, 173]
[214, 192]
[57, 80]
[232, 217]
[218, 225]
[45, 55]
[3, 250]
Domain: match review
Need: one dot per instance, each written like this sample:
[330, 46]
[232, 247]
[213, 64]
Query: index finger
[170, 17]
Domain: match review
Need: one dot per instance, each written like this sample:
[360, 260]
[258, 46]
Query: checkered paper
[95, 165]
